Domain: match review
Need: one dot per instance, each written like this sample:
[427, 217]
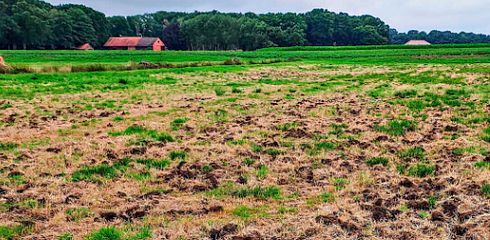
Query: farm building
[85, 47]
[417, 43]
[135, 43]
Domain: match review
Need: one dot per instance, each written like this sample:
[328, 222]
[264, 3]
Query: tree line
[34, 24]
[438, 37]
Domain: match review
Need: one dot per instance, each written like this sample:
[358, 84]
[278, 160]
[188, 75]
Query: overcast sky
[454, 15]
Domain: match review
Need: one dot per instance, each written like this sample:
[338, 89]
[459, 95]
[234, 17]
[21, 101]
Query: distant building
[85, 47]
[135, 43]
[417, 43]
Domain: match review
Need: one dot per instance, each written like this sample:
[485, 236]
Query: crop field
[295, 143]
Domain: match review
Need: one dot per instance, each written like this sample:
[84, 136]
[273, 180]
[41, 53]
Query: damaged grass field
[297, 143]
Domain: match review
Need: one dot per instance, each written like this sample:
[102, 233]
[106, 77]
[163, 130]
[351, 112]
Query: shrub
[377, 161]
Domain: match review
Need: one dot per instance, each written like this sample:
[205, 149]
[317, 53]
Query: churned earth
[286, 151]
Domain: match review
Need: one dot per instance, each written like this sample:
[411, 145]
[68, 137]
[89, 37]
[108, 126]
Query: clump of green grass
[5, 106]
[482, 164]
[432, 200]
[422, 170]
[152, 163]
[262, 172]
[340, 183]
[319, 147]
[247, 213]
[248, 162]
[65, 236]
[100, 172]
[485, 190]
[219, 116]
[178, 123]
[237, 142]
[338, 129]
[416, 105]
[327, 197]
[6, 146]
[206, 168]
[106, 233]
[76, 214]
[397, 127]
[113, 233]
[287, 126]
[256, 148]
[118, 119]
[14, 232]
[174, 155]
[93, 173]
[423, 214]
[486, 135]
[412, 153]
[144, 133]
[236, 90]
[274, 152]
[261, 193]
[377, 161]
[462, 151]
[406, 93]
[219, 92]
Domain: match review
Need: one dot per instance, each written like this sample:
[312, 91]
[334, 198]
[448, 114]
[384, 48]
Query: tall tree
[33, 28]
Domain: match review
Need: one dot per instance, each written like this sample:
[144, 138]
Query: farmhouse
[417, 43]
[135, 43]
[85, 47]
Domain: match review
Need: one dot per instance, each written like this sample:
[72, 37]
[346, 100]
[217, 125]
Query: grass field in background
[390, 54]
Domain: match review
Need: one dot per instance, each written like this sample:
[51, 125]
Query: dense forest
[34, 24]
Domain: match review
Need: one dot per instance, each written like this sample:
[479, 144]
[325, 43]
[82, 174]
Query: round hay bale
[4, 67]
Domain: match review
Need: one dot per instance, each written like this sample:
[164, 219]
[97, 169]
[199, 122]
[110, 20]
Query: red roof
[417, 42]
[131, 42]
[85, 46]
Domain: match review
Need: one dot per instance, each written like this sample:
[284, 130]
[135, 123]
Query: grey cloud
[454, 15]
